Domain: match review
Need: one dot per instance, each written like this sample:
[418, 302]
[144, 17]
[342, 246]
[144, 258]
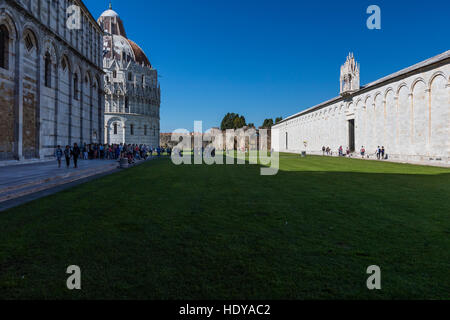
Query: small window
[29, 42]
[130, 76]
[126, 104]
[115, 128]
[48, 71]
[114, 74]
[132, 129]
[4, 44]
[145, 130]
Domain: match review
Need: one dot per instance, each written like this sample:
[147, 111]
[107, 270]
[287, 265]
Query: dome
[116, 44]
[109, 13]
[139, 54]
[119, 47]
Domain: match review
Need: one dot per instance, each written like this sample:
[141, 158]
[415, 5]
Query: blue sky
[265, 59]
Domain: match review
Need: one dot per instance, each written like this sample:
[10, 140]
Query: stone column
[91, 107]
[70, 106]
[82, 84]
[18, 100]
[428, 141]
[56, 133]
[38, 146]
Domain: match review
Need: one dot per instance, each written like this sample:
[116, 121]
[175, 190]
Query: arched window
[127, 104]
[4, 44]
[114, 74]
[115, 128]
[132, 129]
[29, 42]
[48, 70]
[75, 86]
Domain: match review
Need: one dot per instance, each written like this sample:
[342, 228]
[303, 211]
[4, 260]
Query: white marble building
[407, 112]
[132, 92]
[51, 78]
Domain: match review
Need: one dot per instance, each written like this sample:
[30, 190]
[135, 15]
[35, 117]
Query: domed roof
[116, 45]
[139, 54]
[109, 13]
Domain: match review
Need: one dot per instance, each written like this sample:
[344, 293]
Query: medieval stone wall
[408, 113]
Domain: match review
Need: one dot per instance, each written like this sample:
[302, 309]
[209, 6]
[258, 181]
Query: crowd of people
[380, 152]
[131, 152]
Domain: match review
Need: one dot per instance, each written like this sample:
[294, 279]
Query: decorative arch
[49, 47]
[378, 94]
[434, 76]
[401, 85]
[7, 19]
[387, 92]
[31, 34]
[416, 81]
[65, 63]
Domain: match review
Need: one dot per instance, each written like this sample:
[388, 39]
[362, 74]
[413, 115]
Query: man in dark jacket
[76, 154]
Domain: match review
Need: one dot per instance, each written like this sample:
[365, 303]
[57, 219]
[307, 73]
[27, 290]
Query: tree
[279, 119]
[268, 123]
[232, 121]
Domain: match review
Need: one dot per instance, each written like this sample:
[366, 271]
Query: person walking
[67, 155]
[85, 152]
[59, 154]
[323, 151]
[382, 152]
[378, 152]
[76, 154]
[363, 152]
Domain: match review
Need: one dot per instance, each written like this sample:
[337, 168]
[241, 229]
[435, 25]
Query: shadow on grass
[161, 231]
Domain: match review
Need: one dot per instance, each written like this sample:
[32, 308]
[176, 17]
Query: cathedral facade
[51, 77]
[407, 112]
[132, 91]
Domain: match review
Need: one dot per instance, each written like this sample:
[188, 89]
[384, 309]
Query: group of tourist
[132, 152]
[380, 153]
[340, 151]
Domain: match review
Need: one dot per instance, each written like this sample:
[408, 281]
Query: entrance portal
[351, 135]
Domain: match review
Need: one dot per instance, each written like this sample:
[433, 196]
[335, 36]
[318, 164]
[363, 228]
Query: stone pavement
[20, 181]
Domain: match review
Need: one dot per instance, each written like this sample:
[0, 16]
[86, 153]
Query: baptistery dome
[132, 91]
[115, 42]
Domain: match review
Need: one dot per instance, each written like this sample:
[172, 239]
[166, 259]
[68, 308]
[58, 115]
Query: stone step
[44, 184]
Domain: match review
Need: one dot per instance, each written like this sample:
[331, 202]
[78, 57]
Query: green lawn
[160, 231]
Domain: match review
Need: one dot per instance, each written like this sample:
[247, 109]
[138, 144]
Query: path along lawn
[160, 231]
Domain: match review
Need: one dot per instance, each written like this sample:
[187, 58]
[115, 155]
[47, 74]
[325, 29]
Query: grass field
[160, 231]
